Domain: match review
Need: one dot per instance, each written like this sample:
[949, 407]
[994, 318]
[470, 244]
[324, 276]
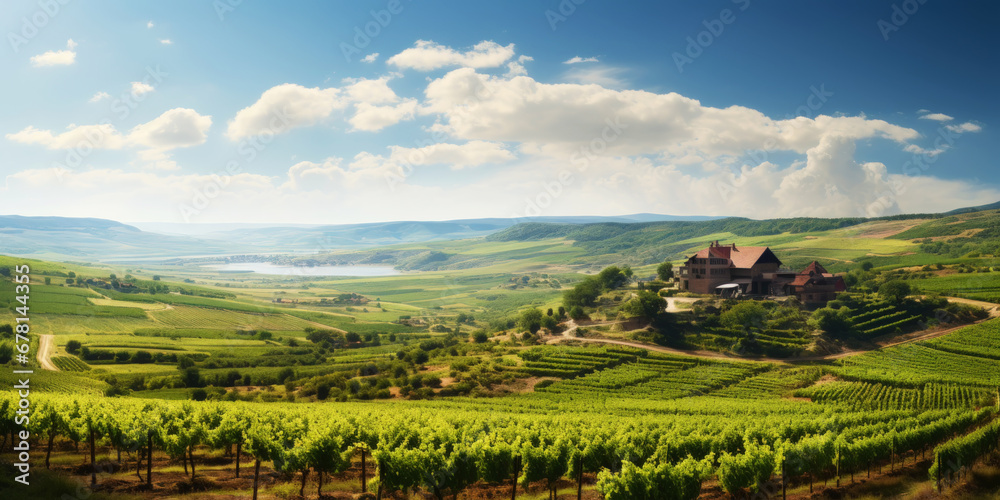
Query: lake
[269, 268]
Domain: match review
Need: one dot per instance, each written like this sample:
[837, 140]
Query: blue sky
[265, 112]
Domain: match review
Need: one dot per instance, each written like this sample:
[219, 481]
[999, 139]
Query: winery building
[731, 271]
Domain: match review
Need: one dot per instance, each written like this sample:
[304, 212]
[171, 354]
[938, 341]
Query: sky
[227, 111]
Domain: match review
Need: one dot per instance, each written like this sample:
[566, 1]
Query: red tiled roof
[742, 257]
[746, 257]
[814, 268]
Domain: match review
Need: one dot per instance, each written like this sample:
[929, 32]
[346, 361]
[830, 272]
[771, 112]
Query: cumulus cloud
[965, 127]
[56, 57]
[150, 24]
[562, 118]
[456, 156]
[372, 118]
[370, 58]
[605, 76]
[99, 96]
[940, 117]
[578, 60]
[176, 128]
[283, 108]
[426, 55]
[102, 136]
[140, 88]
[166, 41]
[289, 106]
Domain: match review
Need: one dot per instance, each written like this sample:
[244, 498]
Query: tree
[73, 346]
[530, 320]
[480, 336]
[894, 291]
[613, 277]
[191, 377]
[832, 321]
[5, 271]
[577, 313]
[750, 314]
[583, 294]
[646, 305]
[48, 280]
[199, 394]
[665, 271]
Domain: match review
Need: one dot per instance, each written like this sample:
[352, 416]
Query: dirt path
[994, 310]
[673, 301]
[46, 345]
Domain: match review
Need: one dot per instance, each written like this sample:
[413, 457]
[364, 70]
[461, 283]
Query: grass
[976, 286]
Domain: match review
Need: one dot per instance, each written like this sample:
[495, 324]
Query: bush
[199, 394]
[73, 346]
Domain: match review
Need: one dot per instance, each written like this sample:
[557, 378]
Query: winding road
[46, 344]
[991, 308]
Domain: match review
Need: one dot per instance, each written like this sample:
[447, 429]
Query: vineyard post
[48, 452]
[838, 466]
[364, 484]
[238, 444]
[892, 455]
[579, 481]
[784, 483]
[517, 472]
[93, 458]
[256, 474]
[938, 478]
[149, 460]
[191, 459]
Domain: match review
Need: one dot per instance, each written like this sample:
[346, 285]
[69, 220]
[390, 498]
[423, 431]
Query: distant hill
[59, 238]
[980, 208]
[97, 239]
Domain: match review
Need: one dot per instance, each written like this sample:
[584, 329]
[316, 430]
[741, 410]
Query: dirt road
[568, 334]
[46, 344]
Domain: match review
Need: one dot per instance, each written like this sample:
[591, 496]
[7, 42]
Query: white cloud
[965, 127]
[370, 58]
[140, 88]
[457, 156]
[56, 57]
[283, 108]
[516, 68]
[371, 91]
[426, 55]
[100, 96]
[941, 117]
[578, 59]
[176, 128]
[917, 150]
[102, 136]
[605, 76]
[289, 106]
[558, 119]
[372, 118]
[150, 24]
[166, 41]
